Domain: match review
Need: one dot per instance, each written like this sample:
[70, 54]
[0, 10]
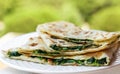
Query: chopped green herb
[14, 53]
[91, 60]
[96, 62]
[102, 61]
[70, 61]
[80, 62]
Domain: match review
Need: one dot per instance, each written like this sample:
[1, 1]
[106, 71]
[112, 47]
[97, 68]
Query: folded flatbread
[30, 52]
[71, 40]
[62, 43]
[89, 59]
[69, 31]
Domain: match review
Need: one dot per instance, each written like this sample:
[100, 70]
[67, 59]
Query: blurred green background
[23, 16]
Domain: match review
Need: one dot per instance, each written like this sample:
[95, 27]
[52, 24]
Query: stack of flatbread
[63, 43]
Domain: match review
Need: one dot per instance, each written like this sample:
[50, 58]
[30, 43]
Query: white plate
[40, 68]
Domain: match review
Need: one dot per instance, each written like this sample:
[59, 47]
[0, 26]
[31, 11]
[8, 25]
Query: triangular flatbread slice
[69, 48]
[89, 59]
[67, 30]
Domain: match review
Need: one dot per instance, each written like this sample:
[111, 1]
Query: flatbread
[39, 49]
[48, 40]
[37, 43]
[106, 54]
[64, 29]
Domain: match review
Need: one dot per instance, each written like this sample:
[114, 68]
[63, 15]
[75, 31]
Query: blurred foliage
[70, 13]
[6, 7]
[107, 19]
[27, 20]
[89, 7]
[25, 15]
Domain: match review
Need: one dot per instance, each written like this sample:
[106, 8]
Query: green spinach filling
[91, 61]
[66, 48]
[14, 53]
[78, 41]
[96, 62]
[38, 51]
[84, 43]
[74, 40]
